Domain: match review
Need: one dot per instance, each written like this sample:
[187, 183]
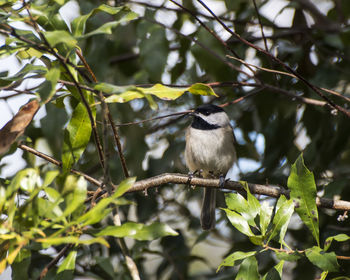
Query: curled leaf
[16, 126]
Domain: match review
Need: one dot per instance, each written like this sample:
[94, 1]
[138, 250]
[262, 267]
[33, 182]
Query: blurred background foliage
[167, 45]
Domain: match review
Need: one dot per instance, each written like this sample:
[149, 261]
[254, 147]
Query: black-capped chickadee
[210, 150]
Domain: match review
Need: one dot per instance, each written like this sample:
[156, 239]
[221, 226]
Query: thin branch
[58, 163]
[267, 190]
[76, 84]
[222, 42]
[267, 247]
[54, 261]
[108, 118]
[209, 50]
[261, 26]
[176, 178]
[277, 60]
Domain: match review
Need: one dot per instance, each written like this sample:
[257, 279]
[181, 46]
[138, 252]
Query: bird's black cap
[208, 109]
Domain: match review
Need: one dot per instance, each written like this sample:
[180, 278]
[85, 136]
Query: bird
[210, 151]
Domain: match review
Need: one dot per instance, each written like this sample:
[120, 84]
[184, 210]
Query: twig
[222, 42]
[267, 247]
[54, 261]
[58, 163]
[261, 26]
[107, 117]
[209, 50]
[268, 190]
[76, 84]
[176, 178]
[280, 62]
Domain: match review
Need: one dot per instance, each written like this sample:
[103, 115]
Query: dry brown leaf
[16, 126]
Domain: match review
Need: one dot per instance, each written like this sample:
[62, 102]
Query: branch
[268, 190]
[176, 178]
[59, 164]
[54, 261]
[277, 60]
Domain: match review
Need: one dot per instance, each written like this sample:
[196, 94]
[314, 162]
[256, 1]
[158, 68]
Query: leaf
[25, 179]
[54, 241]
[68, 263]
[281, 219]
[79, 23]
[153, 44]
[291, 257]
[76, 196]
[126, 94]
[76, 136]
[27, 69]
[325, 261]
[49, 177]
[249, 208]
[60, 36]
[16, 126]
[274, 273]
[265, 216]
[48, 88]
[138, 231]
[236, 256]
[302, 187]
[238, 222]
[339, 237]
[248, 270]
[124, 186]
[101, 209]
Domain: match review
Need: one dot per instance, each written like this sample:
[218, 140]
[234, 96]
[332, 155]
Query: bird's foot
[191, 175]
[222, 181]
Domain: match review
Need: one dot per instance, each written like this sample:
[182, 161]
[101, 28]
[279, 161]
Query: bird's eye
[207, 113]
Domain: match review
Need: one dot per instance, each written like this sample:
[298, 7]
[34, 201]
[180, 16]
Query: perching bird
[210, 150]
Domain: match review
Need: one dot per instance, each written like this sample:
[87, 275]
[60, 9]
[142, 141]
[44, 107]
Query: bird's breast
[210, 150]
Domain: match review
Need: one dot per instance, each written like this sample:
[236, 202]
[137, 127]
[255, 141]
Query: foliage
[136, 60]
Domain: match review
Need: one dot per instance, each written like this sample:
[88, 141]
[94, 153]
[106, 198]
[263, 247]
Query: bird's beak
[191, 113]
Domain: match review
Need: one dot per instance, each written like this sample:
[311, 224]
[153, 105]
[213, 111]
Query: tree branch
[176, 178]
[267, 190]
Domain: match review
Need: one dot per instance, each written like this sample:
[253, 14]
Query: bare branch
[267, 190]
[277, 60]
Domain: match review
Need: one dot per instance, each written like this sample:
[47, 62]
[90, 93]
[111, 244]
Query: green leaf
[101, 209]
[55, 241]
[265, 216]
[124, 186]
[68, 263]
[128, 93]
[239, 222]
[79, 23]
[248, 270]
[236, 256]
[48, 88]
[76, 136]
[339, 237]
[76, 196]
[249, 208]
[138, 231]
[60, 36]
[27, 69]
[302, 187]
[274, 273]
[153, 44]
[25, 179]
[281, 219]
[325, 261]
[49, 177]
[291, 257]
[324, 276]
